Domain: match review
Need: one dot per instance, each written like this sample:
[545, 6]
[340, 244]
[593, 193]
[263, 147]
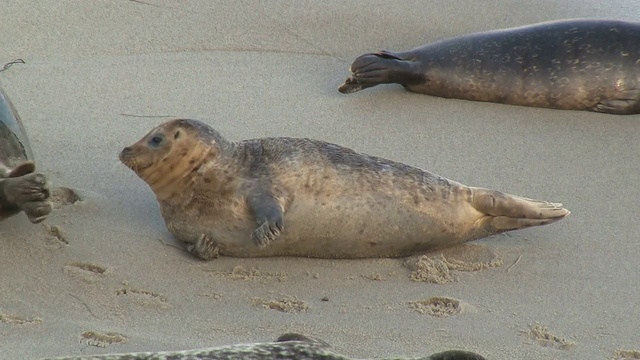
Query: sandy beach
[104, 275]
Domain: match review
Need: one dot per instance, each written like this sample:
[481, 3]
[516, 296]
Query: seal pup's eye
[155, 141]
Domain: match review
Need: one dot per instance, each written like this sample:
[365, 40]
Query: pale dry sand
[105, 272]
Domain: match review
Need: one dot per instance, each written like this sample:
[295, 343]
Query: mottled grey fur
[287, 347]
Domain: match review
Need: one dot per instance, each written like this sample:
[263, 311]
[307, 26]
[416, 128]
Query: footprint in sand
[437, 306]
[63, 196]
[99, 339]
[87, 272]
[144, 297]
[441, 267]
[284, 304]
[241, 273]
[541, 335]
[626, 355]
[12, 319]
[54, 236]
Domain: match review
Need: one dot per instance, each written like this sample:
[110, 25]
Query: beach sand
[103, 275]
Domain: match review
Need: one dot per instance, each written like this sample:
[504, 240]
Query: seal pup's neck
[172, 173]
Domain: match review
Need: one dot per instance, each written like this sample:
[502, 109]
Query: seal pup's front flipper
[206, 248]
[372, 69]
[504, 212]
[268, 206]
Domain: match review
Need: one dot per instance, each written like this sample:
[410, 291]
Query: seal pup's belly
[347, 227]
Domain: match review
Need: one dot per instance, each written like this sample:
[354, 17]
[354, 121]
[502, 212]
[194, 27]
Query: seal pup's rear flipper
[372, 69]
[506, 212]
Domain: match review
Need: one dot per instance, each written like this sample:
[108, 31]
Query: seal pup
[290, 346]
[304, 197]
[577, 64]
[21, 188]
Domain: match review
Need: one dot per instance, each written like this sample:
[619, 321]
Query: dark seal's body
[582, 64]
[21, 188]
[303, 197]
[289, 346]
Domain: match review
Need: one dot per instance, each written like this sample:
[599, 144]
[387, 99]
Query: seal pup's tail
[510, 212]
[372, 69]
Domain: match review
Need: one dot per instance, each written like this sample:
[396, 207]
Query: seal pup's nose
[126, 152]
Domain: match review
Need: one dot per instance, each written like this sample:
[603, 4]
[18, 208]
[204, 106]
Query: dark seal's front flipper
[28, 193]
[372, 69]
[628, 103]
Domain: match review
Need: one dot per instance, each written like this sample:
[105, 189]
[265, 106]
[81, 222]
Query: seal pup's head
[167, 155]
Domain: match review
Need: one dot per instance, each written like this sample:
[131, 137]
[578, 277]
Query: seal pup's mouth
[128, 158]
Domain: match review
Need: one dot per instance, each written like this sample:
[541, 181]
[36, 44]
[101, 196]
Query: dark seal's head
[166, 157]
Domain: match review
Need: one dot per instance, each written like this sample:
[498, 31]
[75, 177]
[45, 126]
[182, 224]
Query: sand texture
[103, 275]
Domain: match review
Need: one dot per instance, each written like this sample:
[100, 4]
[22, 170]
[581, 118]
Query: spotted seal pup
[304, 197]
[22, 189]
[576, 64]
[288, 346]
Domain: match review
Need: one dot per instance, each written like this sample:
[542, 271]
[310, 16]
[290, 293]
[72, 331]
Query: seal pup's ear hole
[176, 135]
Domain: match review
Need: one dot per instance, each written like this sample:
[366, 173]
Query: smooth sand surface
[105, 271]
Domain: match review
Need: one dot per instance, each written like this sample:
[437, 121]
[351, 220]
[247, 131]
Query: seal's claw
[205, 248]
[267, 232]
[349, 86]
[29, 193]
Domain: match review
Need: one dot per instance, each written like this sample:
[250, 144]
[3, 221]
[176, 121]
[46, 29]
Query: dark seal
[577, 64]
[304, 197]
[21, 188]
[290, 346]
